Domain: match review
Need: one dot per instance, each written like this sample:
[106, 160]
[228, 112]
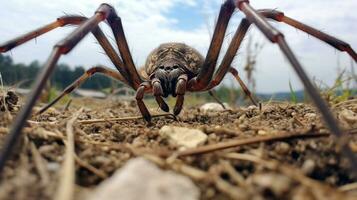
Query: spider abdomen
[177, 54]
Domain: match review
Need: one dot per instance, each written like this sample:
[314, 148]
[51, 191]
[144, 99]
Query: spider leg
[90, 72]
[60, 22]
[228, 59]
[206, 71]
[157, 91]
[213, 94]
[334, 42]
[140, 92]
[245, 89]
[115, 23]
[63, 21]
[276, 37]
[180, 92]
[63, 47]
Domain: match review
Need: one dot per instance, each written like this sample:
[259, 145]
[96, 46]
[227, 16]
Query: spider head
[168, 72]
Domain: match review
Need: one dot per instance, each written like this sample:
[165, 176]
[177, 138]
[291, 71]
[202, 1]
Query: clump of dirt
[9, 101]
[293, 168]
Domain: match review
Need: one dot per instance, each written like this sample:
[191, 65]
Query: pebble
[141, 179]
[308, 166]
[282, 148]
[348, 116]
[243, 127]
[275, 183]
[262, 132]
[52, 119]
[207, 107]
[184, 137]
[310, 116]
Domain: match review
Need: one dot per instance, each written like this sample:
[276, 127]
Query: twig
[40, 165]
[283, 135]
[348, 187]
[245, 141]
[236, 176]
[344, 102]
[197, 175]
[67, 105]
[122, 119]
[65, 190]
[324, 192]
[90, 168]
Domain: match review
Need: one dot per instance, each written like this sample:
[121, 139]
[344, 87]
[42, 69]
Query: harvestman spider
[168, 73]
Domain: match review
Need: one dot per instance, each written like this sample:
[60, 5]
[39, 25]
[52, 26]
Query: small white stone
[348, 116]
[184, 137]
[141, 179]
[52, 119]
[252, 107]
[213, 107]
[310, 115]
[262, 132]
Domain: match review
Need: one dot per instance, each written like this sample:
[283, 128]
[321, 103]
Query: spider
[172, 68]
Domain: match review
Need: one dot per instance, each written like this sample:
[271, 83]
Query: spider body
[169, 61]
[172, 68]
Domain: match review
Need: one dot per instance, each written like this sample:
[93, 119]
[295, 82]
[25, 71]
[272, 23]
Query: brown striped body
[188, 58]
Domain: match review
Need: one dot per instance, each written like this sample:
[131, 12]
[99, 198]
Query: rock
[262, 132]
[282, 148]
[8, 101]
[274, 183]
[184, 137]
[140, 179]
[213, 107]
[310, 116]
[52, 119]
[308, 167]
[348, 117]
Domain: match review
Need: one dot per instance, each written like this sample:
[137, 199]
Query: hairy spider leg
[180, 92]
[205, 73]
[140, 92]
[63, 21]
[333, 41]
[158, 93]
[225, 65]
[213, 94]
[61, 48]
[245, 89]
[115, 23]
[276, 37]
[90, 72]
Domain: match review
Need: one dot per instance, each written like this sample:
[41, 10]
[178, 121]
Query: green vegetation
[293, 97]
[18, 73]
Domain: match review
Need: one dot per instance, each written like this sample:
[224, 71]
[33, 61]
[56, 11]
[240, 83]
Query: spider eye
[161, 67]
[175, 67]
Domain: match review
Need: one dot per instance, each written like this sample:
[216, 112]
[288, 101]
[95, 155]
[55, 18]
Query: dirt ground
[305, 166]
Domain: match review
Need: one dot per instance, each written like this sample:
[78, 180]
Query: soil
[295, 168]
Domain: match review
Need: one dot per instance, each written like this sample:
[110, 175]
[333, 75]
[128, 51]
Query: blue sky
[149, 23]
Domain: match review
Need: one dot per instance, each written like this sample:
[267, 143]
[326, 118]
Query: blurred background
[149, 23]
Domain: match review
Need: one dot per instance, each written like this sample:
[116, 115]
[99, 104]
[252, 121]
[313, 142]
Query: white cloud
[147, 24]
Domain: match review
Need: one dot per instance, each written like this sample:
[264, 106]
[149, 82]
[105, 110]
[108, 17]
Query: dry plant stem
[195, 174]
[291, 172]
[348, 187]
[246, 141]
[277, 37]
[233, 173]
[66, 187]
[90, 168]
[40, 164]
[92, 121]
